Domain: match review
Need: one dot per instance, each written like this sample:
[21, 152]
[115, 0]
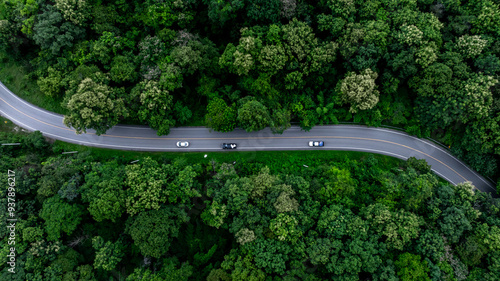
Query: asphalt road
[336, 137]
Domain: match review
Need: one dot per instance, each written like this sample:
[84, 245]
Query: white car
[182, 144]
[316, 143]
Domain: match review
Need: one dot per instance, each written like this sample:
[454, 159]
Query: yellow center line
[242, 138]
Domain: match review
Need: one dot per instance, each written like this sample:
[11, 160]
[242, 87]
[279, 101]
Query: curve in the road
[337, 137]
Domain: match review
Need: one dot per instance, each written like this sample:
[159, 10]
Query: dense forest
[82, 217]
[429, 67]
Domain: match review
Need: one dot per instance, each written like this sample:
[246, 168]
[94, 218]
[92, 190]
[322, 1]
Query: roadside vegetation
[94, 215]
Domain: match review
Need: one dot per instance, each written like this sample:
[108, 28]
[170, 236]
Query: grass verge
[14, 75]
[6, 125]
[277, 161]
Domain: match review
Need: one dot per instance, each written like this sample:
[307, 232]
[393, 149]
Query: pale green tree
[426, 55]
[272, 59]
[76, 11]
[244, 236]
[286, 203]
[360, 90]
[146, 186]
[156, 106]
[285, 227]
[94, 106]
[243, 63]
[471, 46]
[215, 214]
[476, 97]
[410, 35]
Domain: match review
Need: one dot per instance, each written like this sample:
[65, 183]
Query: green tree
[183, 113]
[320, 250]
[454, 223]
[51, 85]
[103, 190]
[242, 267]
[108, 254]
[220, 117]
[410, 267]
[172, 270]
[339, 184]
[487, 17]
[263, 11]
[253, 116]
[431, 244]
[51, 33]
[270, 254]
[35, 141]
[221, 12]
[94, 106]
[60, 217]
[471, 251]
[122, 69]
[280, 120]
[153, 230]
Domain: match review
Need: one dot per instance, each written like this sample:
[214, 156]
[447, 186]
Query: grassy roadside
[14, 75]
[6, 125]
[277, 161]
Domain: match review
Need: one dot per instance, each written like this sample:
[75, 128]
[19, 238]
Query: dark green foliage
[153, 231]
[253, 116]
[220, 12]
[51, 32]
[263, 11]
[36, 141]
[220, 117]
[103, 190]
[340, 219]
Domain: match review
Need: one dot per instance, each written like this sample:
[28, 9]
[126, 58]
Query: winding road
[336, 137]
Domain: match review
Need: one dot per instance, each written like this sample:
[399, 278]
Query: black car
[229, 146]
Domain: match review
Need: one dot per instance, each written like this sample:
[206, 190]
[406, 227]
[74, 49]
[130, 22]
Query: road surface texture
[336, 137]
